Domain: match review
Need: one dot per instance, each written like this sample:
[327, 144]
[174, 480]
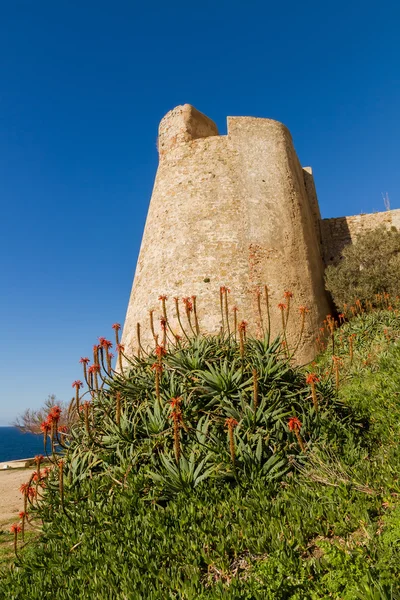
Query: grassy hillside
[218, 470]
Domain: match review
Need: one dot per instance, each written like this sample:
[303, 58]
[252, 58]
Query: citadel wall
[338, 232]
[235, 210]
[239, 211]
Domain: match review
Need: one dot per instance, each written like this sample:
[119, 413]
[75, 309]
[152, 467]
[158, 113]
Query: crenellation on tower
[181, 125]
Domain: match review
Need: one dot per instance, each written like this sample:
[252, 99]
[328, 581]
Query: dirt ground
[11, 501]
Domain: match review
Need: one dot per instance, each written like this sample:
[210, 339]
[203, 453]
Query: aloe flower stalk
[38, 460]
[231, 423]
[242, 336]
[84, 362]
[109, 357]
[15, 529]
[120, 349]
[303, 310]
[139, 341]
[106, 346]
[163, 320]
[52, 420]
[283, 307]
[331, 330]
[35, 479]
[178, 316]
[177, 338]
[94, 370]
[22, 515]
[288, 296]
[188, 310]
[196, 319]
[176, 416]
[163, 325]
[225, 292]
[221, 305]
[258, 296]
[311, 380]
[118, 408]
[61, 481]
[53, 436]
[266, 291]
[295, 426]
[45, 428]
[158, 369]
[116, 328]
[29, 493]
[24, 491]
[235, 325]
[96, 354]
[77, 385]
[160, 351]
[62, 431]
[337, 360]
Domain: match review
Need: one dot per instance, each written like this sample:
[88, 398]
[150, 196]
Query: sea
[15, 445]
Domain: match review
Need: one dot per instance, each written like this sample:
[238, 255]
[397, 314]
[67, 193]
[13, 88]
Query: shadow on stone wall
[336, 235]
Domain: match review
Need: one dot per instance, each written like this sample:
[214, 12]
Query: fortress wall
[228, 210]
[313, 201]
[341, 231]
[184, 124]
[282, 246]
[193, 237]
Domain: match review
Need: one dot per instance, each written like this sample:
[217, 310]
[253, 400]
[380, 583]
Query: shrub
[30, 420]
[368, 268]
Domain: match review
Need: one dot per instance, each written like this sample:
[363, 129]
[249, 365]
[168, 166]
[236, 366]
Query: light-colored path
[11, 501]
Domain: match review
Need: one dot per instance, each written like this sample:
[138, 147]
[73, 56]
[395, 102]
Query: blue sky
[83, 86]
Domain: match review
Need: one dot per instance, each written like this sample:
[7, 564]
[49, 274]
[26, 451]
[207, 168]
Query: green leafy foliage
[369, 267]
[132, 520]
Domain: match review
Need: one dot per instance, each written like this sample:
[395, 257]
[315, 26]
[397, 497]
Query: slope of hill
[218, 470]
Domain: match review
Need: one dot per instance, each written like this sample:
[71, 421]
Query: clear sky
[83, 86]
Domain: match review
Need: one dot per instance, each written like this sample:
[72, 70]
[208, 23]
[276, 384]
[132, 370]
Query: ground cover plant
[217, 469]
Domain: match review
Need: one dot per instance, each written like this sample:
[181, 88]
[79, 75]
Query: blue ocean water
[15, 445]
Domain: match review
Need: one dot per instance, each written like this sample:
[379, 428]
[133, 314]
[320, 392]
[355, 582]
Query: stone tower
[231, 210]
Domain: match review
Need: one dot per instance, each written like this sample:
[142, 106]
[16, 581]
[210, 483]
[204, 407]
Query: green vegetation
[369, 269]
[218, 470]
[29, 421]
[6, 544]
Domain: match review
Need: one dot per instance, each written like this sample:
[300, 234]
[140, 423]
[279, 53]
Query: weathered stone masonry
[235, 210]
[338, 233]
